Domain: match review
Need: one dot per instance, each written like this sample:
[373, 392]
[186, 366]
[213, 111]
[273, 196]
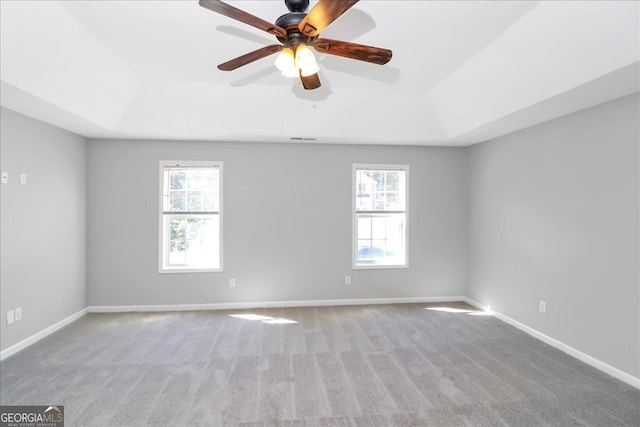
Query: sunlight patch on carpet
[264, 319]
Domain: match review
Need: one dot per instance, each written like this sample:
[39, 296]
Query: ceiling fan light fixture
[286, 63]
[306, 61]
[296, 31]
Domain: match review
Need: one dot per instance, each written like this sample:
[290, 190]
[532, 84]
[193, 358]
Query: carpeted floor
[383, 365]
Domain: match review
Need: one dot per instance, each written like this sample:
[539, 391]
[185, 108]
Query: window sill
[189, 270]
[378, 266]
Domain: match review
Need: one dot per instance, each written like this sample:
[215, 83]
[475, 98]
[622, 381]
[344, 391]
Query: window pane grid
[381, 238]
[191, 189]
[380, 190]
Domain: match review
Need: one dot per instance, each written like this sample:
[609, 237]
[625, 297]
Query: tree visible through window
[380, 215]
[191, 211]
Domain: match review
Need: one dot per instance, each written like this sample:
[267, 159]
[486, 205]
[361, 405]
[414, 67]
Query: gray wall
[550, 212]
[554, 216]
[43, 232]
[287, 224]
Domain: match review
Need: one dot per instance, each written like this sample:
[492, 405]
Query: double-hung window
[380, 215]
[191, 216]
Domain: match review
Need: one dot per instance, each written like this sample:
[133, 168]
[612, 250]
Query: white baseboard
[589, 360]
[265, 304]
[42, 334]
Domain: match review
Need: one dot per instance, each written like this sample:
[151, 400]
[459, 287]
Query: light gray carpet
[383, 365]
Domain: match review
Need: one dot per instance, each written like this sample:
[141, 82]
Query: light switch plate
[5, 177]
[10, 318]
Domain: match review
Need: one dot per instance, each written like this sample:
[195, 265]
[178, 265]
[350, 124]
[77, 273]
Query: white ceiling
[462, 71]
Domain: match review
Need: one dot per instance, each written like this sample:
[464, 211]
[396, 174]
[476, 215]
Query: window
[191, 216]
[380, 216]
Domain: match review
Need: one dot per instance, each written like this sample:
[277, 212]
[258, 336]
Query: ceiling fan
[297, 31]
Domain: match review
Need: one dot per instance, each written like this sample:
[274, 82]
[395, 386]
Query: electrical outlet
[10, 317]
[232, 283]
[18, 313]
[542, 307]
[347, 280]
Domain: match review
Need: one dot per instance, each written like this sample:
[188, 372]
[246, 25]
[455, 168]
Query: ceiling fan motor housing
[289, 21]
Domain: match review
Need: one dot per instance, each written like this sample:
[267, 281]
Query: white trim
[377, 266]
[354, 233]
[266, 304]
[194, 163]
[589, 360]
[42, 334]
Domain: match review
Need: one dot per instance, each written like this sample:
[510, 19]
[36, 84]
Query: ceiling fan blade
[310, 82]
[322, 15]
[360, 52]
[250, 57]
[242, 16]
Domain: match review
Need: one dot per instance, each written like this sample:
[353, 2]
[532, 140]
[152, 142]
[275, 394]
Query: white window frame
[354, 215]
[188, 163]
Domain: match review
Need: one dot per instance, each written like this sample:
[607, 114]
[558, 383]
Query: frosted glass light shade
[286, 64]
[306, 61]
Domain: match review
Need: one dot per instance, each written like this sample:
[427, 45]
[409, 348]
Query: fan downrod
[297, 5]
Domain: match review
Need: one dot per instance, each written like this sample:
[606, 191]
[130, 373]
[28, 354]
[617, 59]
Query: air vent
[300, 138]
